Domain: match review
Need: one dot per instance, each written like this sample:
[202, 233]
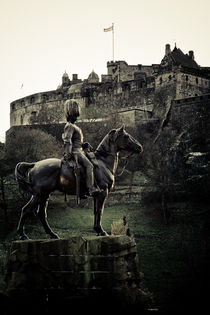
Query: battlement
[36, 98]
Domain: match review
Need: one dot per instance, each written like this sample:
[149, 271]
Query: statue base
[78, 271]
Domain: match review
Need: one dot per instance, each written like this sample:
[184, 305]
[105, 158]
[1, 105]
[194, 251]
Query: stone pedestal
[77, 271]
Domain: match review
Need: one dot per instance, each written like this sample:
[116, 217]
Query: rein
[122, 158]
[125, 164]
[103, 151]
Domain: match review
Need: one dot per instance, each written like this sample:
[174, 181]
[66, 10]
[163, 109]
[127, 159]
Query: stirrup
[94, 191]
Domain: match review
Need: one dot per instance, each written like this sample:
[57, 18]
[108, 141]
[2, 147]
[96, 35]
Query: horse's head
[124, 141]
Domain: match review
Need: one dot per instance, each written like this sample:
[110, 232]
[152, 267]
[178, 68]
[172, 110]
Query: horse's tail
[21, 170]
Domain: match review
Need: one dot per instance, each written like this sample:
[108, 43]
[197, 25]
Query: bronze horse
[45, 176]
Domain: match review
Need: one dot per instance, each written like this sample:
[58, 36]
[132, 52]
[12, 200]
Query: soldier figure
[73, 141]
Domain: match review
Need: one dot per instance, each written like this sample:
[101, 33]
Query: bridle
[125, 163]
[125, 158]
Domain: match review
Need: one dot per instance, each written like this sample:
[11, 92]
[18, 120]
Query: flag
[109, 29]
[21, 86]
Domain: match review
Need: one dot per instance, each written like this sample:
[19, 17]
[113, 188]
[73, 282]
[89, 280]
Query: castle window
[32, 100]
[33, 114]
[44, 98]
[13, 106]
[21, 119]
[196, 80]
[169, 78]
[186, 78]
[161, 80]
[22, 103]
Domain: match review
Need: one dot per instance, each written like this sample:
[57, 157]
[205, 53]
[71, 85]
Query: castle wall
[191, 85]
[132, 116]
[123, 98]
[124, 87]
[45, 107]
[29, 107]
[184, 84]
[121, 71]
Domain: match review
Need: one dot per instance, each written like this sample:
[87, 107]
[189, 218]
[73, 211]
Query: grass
[171, 257]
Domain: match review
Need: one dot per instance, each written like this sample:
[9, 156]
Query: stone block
[77, 264]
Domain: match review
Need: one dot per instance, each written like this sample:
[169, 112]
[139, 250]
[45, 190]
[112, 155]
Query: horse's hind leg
[43, 216]
[31, 206]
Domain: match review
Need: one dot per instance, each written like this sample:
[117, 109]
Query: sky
[41, 39]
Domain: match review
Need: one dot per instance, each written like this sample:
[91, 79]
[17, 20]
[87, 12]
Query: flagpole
[108, 29]
[113, 42]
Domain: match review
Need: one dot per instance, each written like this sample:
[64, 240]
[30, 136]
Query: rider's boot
[93, 191]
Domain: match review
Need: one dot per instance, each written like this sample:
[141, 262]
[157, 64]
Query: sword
[77, 176]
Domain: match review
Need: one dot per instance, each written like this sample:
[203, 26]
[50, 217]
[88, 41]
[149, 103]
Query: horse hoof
[54, 236]
[24, 238]
[102, 233]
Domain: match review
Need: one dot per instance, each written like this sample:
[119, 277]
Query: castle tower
[167, 50]
[93, 77]
[191, 54]
[65, 79]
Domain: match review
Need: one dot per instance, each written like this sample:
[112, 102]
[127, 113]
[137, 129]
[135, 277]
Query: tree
[161, 142]
[30, 146]
[3, 172]
[159, 165]
[23, 145]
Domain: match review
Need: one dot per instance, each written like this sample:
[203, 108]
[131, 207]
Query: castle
[130, 89]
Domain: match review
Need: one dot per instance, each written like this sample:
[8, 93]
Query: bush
[31, 146]
[120, 227]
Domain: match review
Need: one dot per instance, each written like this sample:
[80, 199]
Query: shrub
[120, 227]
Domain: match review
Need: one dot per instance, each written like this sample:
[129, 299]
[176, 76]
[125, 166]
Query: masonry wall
[191, 85]
[193, 115]
[121, 71]
[22, 110]
[45, 107]
[183, 84]
[127, 86]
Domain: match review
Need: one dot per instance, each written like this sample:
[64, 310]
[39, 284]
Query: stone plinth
[75, 269]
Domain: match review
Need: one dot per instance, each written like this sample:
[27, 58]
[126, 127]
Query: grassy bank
[173, 257]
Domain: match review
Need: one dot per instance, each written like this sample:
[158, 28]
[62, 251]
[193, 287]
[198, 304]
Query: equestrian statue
[80, 172]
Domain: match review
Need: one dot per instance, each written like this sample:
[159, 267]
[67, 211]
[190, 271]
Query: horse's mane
[103, 146]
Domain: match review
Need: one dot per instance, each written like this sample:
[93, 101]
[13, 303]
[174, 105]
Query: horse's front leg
[99, 202]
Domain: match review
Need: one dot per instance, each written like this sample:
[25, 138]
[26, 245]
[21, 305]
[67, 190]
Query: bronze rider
[73, 141]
